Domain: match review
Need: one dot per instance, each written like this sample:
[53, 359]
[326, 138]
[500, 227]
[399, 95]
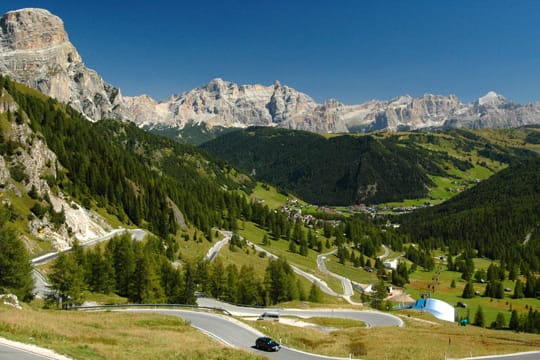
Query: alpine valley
[258, 196]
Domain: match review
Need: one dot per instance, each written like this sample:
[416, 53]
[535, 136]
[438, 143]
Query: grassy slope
[308, 263]
[112, 335]
[422, 338]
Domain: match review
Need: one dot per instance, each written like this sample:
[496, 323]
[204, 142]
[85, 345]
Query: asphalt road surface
[236, 334]
[8, 353]
[371, 318]
[10, 350]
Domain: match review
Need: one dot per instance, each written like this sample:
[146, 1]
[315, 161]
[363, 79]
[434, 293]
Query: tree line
[143, 273]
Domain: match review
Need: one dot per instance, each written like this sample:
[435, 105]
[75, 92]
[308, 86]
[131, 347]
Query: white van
[269, 315]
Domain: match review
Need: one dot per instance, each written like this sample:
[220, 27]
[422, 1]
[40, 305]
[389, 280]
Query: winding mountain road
[345, 282]
[214, 251]
[235, 333]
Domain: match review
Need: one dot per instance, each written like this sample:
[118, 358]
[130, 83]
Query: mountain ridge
[35, 50]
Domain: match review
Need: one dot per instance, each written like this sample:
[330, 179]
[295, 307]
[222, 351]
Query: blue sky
[350, 50]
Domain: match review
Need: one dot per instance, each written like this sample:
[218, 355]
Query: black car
[267, 344]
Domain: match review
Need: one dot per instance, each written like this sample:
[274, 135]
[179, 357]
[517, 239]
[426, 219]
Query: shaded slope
[340, 170]
[494, 217]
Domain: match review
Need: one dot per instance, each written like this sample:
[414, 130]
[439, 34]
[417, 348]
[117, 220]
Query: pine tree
[518, 290]
[120, 249]
[514, 321]
[530, 286]
[378, 296]
[479, 317]
[67, 281]
[217, 279]
[468, 290]
[145, 286]
[231, 288]
[302, 296]
[188, 296]
[172, 283]
[15, 266]
[248, 288]
[315, 293]
[499, 322]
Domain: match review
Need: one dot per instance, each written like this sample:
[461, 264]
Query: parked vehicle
[269, 315]
[267, 344]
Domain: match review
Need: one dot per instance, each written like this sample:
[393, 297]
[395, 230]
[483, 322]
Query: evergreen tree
[513, 273]
[450, 263]
[248, 288]
[120, 249]
[378, 296]
[231, 289]
[188, 296]
[518, 290]
[514, 321]
[315, 293]
[479, 317]
[100, 272]
[301, 291]
[499, 322]
[530, 286]
[67, 281]
[172, 282]
[217, 279]
[468, 290]
[15, 266]
[280, 282]
[292, 247]
[145, 286]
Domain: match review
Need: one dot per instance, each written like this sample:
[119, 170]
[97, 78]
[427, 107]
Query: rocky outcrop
[37, 164]
[35, 50]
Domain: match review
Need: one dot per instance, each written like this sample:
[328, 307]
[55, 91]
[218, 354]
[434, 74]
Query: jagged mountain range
[35, 50]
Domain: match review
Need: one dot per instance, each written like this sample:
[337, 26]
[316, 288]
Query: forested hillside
[135, 175]
[500, 218]
[343, 170]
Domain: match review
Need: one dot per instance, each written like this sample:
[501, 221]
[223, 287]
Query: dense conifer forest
[495, 218]
[349, 169]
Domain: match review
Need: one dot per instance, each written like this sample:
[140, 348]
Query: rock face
[37, 163]
[35, 50]
[229, 105]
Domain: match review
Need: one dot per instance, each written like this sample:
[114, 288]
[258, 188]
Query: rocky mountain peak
[491, 99]
[31, 29]
[35, 50]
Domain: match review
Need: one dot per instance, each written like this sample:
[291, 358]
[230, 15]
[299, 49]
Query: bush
[17, 173]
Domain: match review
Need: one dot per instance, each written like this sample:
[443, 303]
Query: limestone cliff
[35, 50]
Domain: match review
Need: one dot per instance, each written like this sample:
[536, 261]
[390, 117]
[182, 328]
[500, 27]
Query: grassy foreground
[112, 335]
[422, 338]
[115, 335]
